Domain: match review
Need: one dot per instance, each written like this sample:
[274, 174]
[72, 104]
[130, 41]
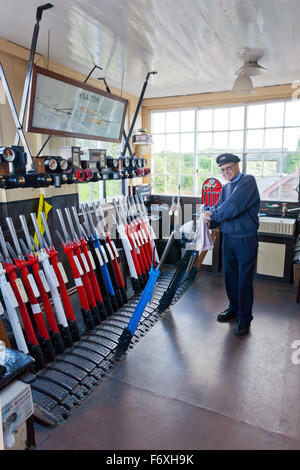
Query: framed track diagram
[65, 107]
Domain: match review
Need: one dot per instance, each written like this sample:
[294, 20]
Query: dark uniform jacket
[236, 211]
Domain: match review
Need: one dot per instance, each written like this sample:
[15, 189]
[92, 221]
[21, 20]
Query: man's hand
[206, 217]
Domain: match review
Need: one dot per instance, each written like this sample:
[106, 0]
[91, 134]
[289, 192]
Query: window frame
[244, 151]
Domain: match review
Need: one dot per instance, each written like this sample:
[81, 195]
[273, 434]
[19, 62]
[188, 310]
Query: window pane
[288, 185]
[172, 164]
[172, 184]
[187, 164]
[187, 185]
[84, 192]
[204, 164]
[172, 121]
[254, 168]
[236, 139]
[187, 143]
[292, 113]
[273, 139]
[254, 165]
[221, 118]
[270, 188]
[259, 182]
[256, 116]
[205, 117]
[96, 191]
[272, 163]
[291, 138]
[291, 164]
[220, 141]
[200, 182]
[270, 168]
[172, 142]
[274, 114]
[255, 140]
[216, 169]
[158, 143]
[109, 189]
[187, 121]
[157, 123]
[236, 117]
[158, 164]
[115, 188]
[205, 141]
[159, 184]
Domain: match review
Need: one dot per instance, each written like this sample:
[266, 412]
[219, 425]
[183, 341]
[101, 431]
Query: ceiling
[193, 44]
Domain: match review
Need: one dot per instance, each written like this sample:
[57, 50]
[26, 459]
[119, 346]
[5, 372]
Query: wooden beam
[219, 98]
[18, 51]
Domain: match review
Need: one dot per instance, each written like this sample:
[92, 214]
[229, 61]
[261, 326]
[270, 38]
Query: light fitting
[243, 85]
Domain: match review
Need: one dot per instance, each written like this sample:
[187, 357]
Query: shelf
[142, 143]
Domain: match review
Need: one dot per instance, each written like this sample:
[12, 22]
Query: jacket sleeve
[215, 224]
[244, 196]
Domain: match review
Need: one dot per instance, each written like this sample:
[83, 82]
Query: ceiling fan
[243, 84]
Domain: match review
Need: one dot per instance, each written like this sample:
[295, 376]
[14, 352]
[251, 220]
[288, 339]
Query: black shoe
[227, 315]
[242, 328]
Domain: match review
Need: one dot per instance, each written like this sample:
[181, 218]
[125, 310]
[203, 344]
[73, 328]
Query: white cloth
[203, 240]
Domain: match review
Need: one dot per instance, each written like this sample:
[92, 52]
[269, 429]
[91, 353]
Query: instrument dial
[63, 164]
[52, 163]
[8, 154]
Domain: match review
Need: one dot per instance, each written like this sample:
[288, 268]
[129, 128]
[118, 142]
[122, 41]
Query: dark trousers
[239, 257]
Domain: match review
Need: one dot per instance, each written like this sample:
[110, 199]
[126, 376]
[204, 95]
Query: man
[237, 213]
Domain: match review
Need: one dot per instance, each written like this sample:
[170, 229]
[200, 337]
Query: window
[95, 190]
[266, 136]
[173, 152]
[273, 148]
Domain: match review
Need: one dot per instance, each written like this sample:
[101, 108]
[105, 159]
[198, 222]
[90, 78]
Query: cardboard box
[16, 408]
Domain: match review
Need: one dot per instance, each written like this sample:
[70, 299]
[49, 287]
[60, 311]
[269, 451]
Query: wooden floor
[190, 383]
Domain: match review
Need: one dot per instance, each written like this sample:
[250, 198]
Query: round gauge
[144, 162]
[8, 154]
[109, 160]
[133, 163]
[71, 178]
[115, 162]
[41, 180]
[52, 164]
[63, 164]
[139, 162]
[21, 180]
[126, 162]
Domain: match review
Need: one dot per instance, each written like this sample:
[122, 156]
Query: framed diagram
[64, 107]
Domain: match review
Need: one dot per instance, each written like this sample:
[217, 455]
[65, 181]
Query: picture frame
[64, 107]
